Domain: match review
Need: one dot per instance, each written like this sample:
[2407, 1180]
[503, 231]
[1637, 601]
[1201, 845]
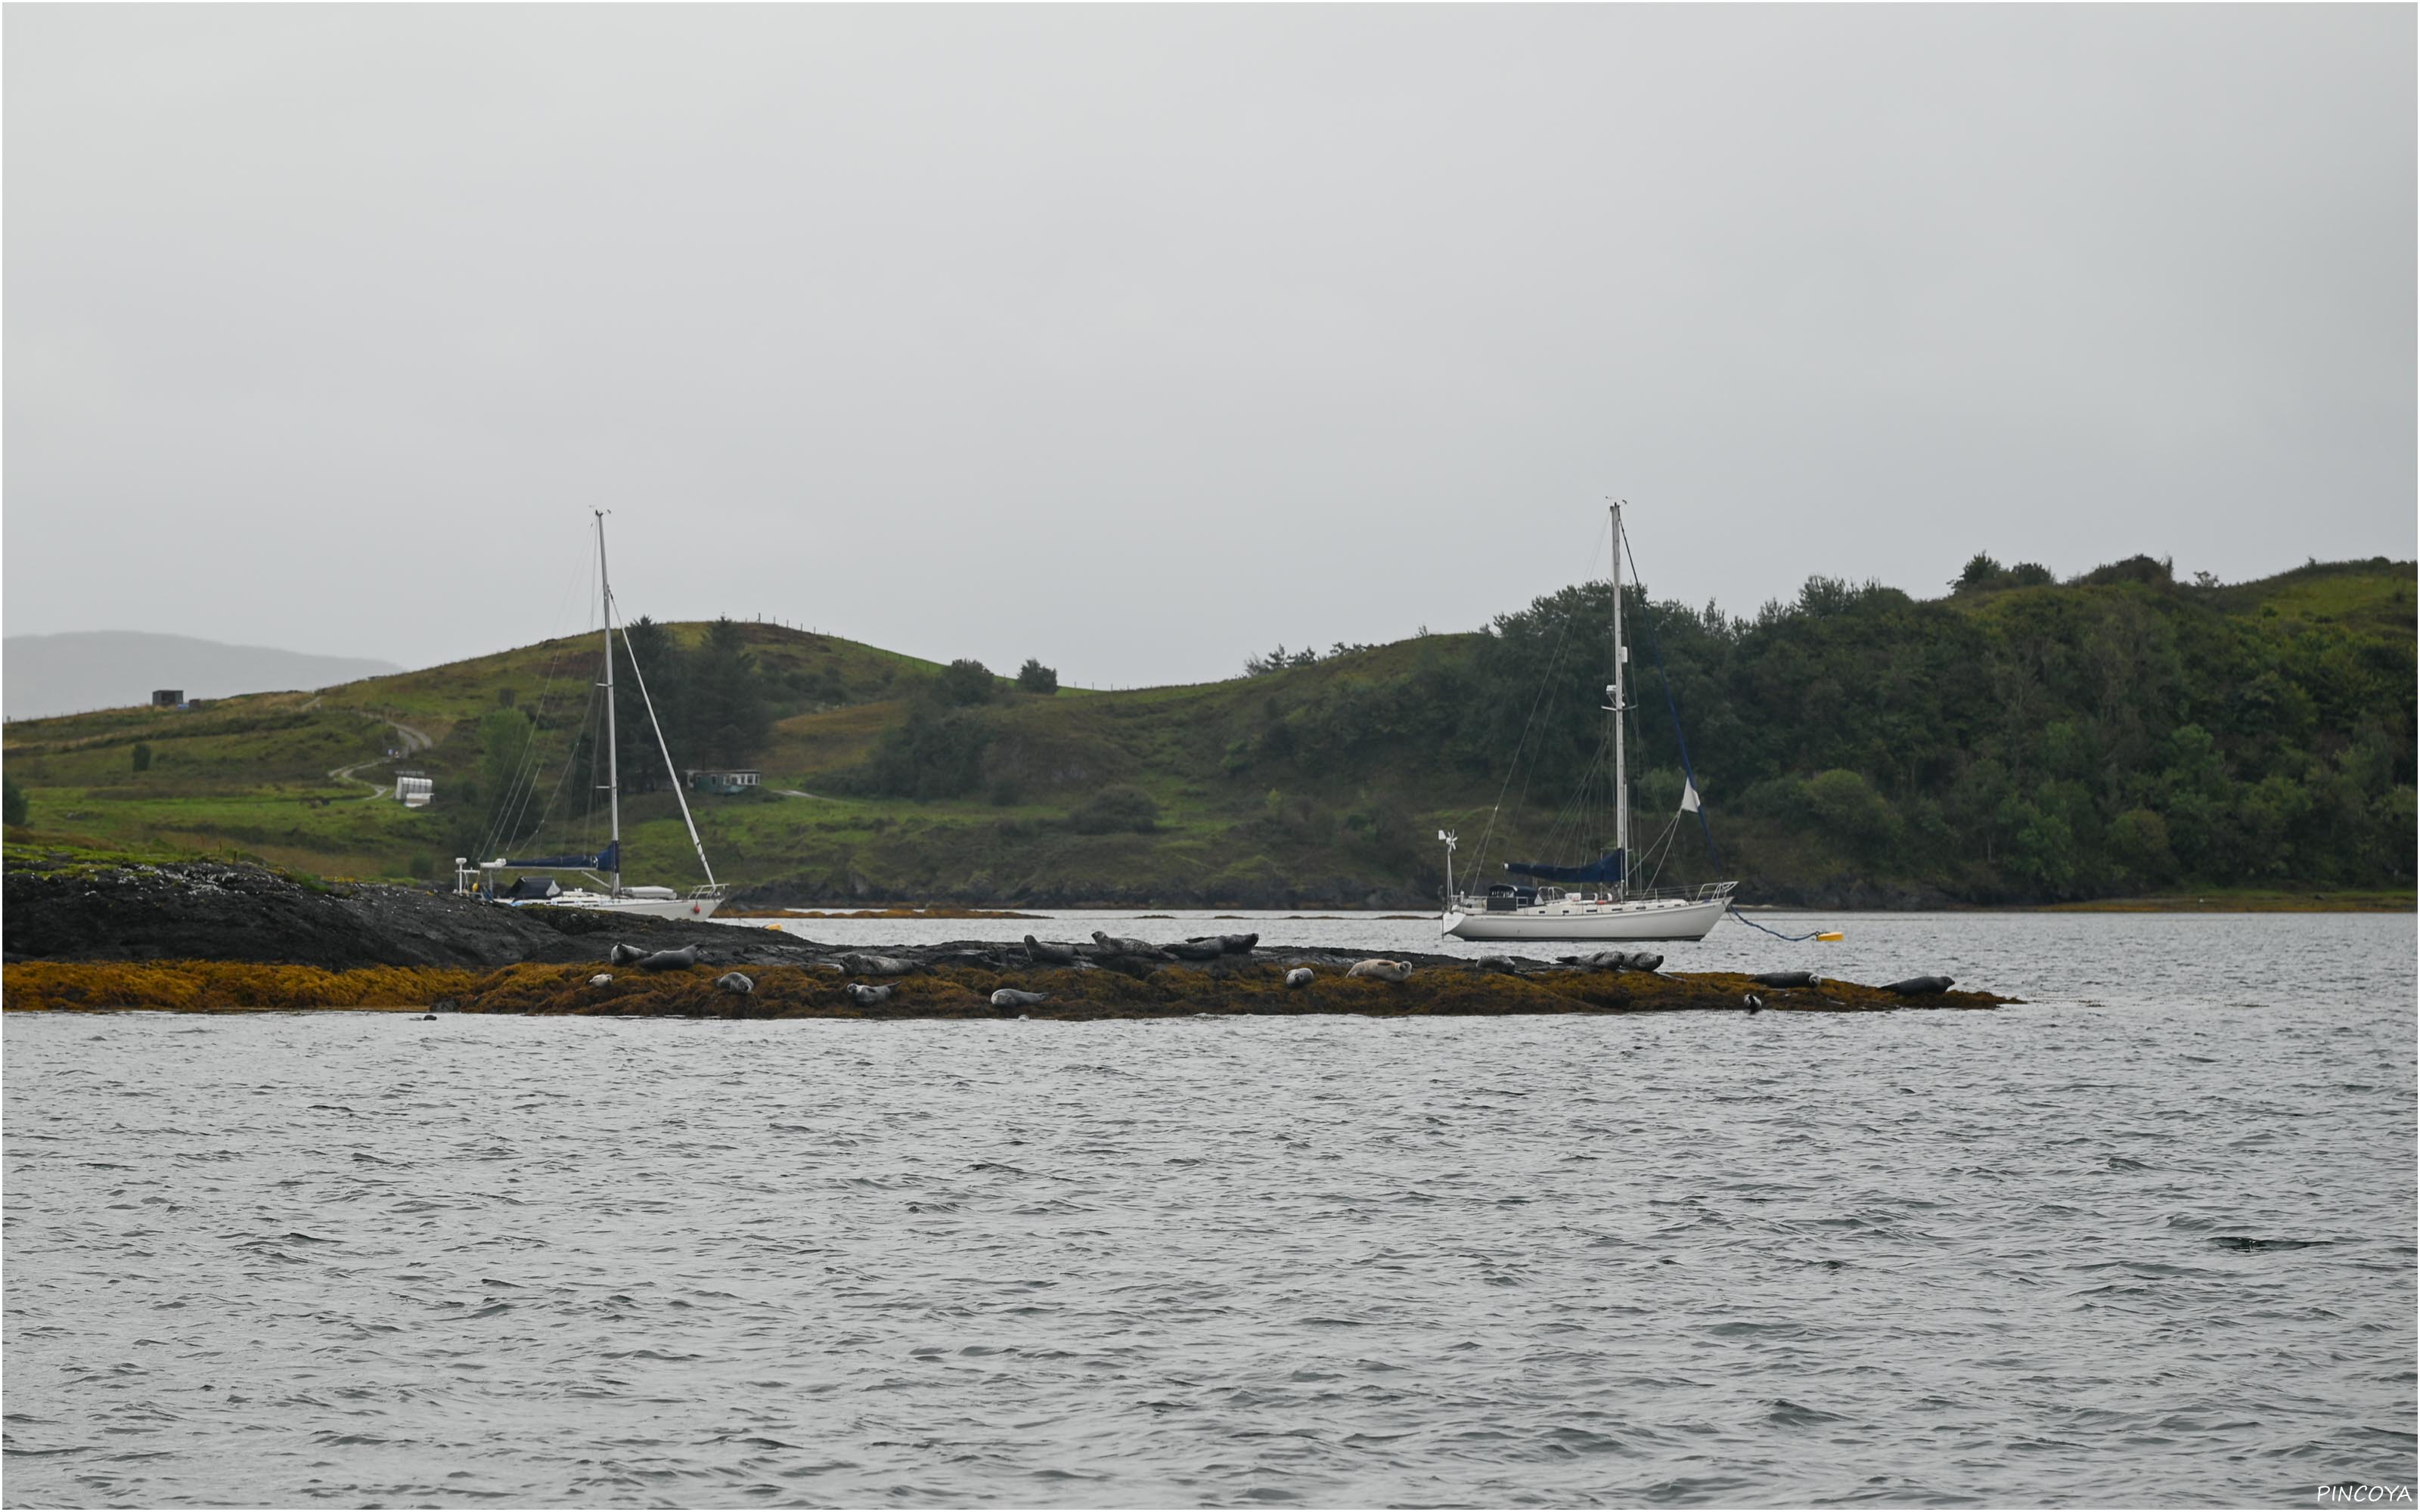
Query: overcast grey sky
[1141, 339]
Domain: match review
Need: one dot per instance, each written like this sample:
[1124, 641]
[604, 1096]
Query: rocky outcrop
[952, 984]
[214, 937]
[218, 912]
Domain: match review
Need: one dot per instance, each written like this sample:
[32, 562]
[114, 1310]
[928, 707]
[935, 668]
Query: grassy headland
[2020, 741]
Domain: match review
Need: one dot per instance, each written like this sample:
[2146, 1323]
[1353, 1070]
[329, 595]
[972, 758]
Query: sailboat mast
[612, 759]
[1620, 771]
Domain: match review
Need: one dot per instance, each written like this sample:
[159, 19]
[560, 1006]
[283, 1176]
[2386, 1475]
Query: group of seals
[680, 960]
[1614, 960]
[630, 955]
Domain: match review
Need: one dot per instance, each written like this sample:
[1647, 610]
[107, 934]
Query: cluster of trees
[712, 702]
[938, 750]
[1283, 660]
[2121, 732]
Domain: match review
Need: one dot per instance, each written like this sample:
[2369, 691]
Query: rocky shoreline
[206, 937]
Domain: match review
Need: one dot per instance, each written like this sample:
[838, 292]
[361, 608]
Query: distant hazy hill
[51, 675]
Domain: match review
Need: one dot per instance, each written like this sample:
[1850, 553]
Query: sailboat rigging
[480, 879]
[1595, 901]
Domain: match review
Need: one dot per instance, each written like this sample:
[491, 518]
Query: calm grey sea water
[2150, 1240]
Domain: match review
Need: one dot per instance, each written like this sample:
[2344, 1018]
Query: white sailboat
[1594, 902]
[609, 894]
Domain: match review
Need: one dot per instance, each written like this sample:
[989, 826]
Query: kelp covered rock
[1449, 987]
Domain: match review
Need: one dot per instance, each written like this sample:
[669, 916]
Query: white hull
[1640, 919]
[647, 907]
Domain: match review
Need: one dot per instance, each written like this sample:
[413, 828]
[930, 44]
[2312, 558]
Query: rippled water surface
[2148, 1239]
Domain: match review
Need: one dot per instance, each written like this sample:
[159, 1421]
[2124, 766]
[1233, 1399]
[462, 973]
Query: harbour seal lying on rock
[1115, 944]
[680, 960]
[864, 997]
[1057, 955]
[1010, 997]
[1788, 978]
[1300, 977]
[732, 982]
[1380, 969]
[602, 978]
[623, 955]
[1497, 962]
[1209, 950]
[1915, 987]
[877, 965]
[1232, 944]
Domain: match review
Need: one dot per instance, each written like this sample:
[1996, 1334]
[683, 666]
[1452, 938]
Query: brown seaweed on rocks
[1440, 986]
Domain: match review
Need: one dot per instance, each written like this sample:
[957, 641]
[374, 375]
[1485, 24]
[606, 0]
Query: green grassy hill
[2019, 741]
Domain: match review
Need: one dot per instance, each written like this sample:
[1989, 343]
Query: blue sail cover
[608, 859]
[1606, 869]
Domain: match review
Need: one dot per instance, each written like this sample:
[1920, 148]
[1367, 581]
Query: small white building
[414, 792]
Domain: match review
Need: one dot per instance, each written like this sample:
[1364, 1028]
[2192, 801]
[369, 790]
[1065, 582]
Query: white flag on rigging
[1688, 797]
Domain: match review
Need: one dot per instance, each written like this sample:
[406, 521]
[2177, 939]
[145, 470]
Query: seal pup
[864, 997]
[1058, 955]
[1915, 987]
[732, 982]
[1380, 969]
[1298, 977]
[623, 955]
[602, 978]
[1010, 997]
[877, 965]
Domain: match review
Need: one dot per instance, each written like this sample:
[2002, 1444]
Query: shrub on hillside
[936, 753]
[1115, 809]
[965, 682]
